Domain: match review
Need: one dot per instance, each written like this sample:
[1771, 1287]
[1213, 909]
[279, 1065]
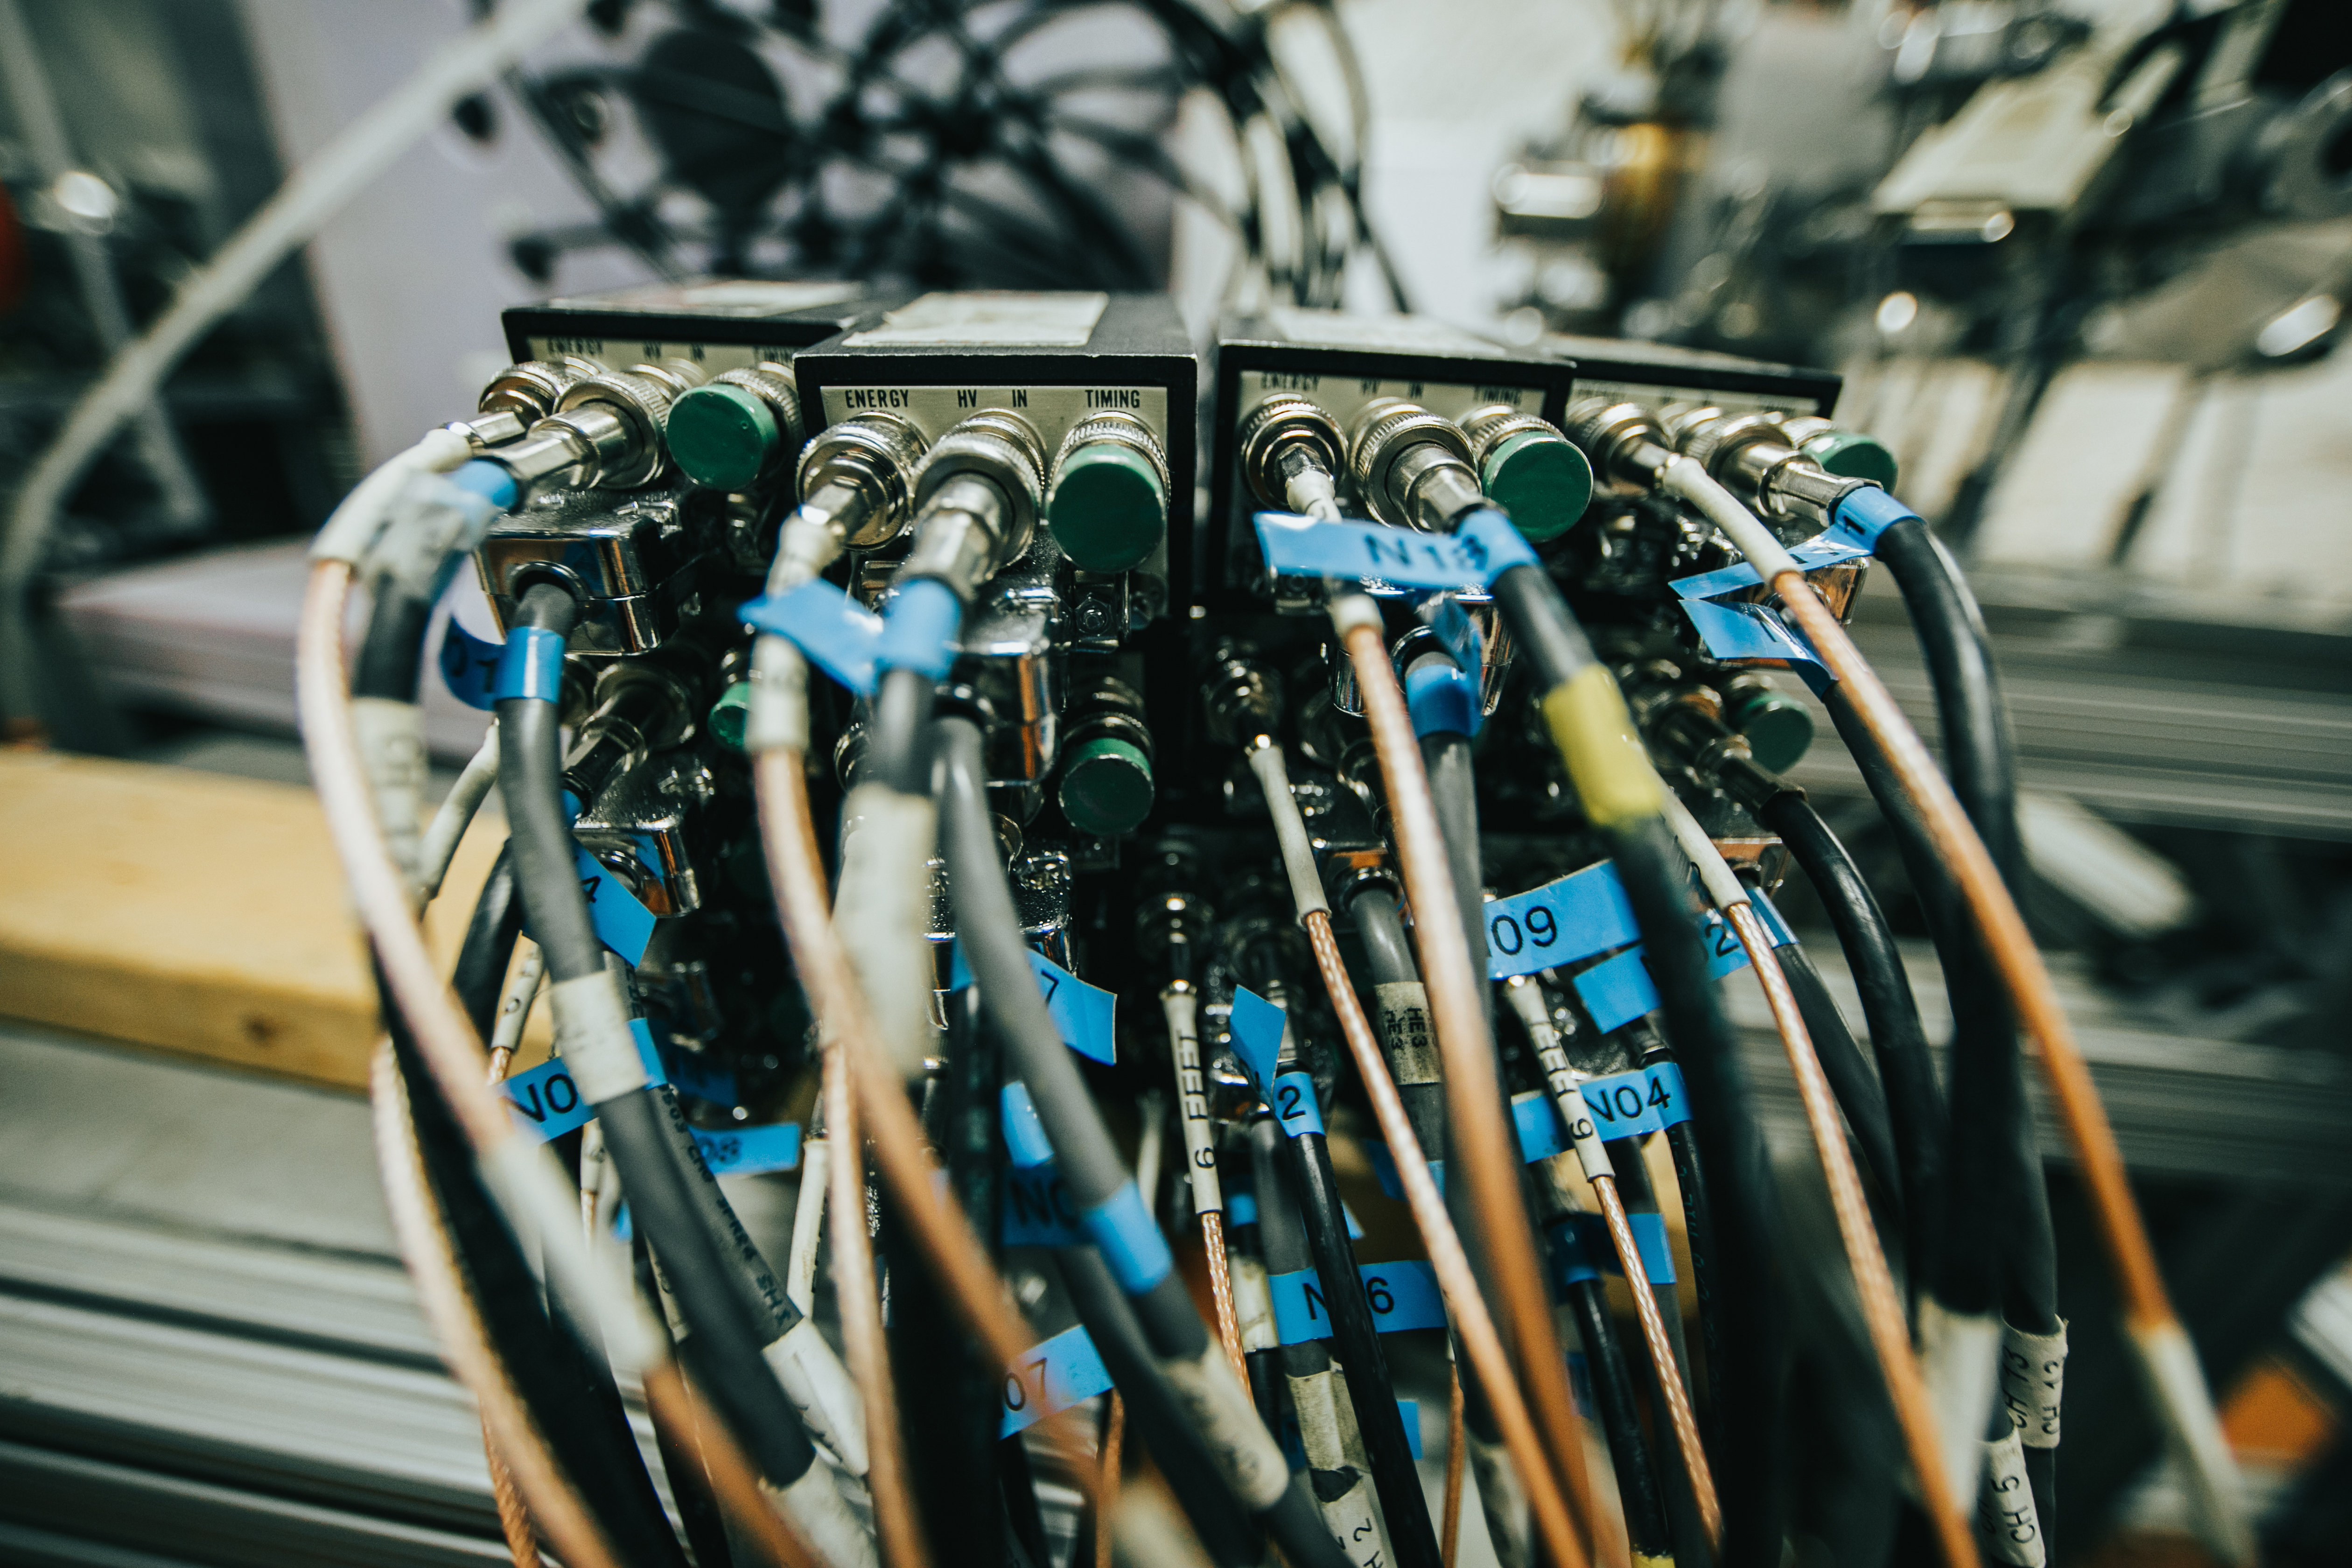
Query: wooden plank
[195, 913]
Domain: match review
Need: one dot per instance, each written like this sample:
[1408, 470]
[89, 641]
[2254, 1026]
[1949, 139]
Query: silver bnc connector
[606, 430]
[1291, 451]
[519, 397]
[977, 498]
[1624, 441]
[1412, 467]
[858, 478]
[1749, 454]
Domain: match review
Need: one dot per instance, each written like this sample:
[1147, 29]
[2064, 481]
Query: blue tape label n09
[1560, 923]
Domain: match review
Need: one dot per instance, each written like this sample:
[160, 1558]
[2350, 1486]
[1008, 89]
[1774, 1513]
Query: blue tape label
[547, 1103]
[1748, 631]
[750, 1150]
[1088, 1015]
[1490, 538]
[1582, 1248]
[1024, 1134]
[469, 665]
[1293, 1100]
[1560, 923]
[1624, 1105]
[1384, 1170]
[1404, 1295]
[839, 636]
[1827, 549]
[531, 665]
[1257, 1026]
[1573, 1259]
[1241, 1207]
[1299, 546]
[1649, 1240]
[1063, 1371]
[1038, 1210]
[623, 923]
[1537, 1119]
[692, 1072]
[1456, 632]
[1121, 1229]
[1618, 990]
[1774, 926]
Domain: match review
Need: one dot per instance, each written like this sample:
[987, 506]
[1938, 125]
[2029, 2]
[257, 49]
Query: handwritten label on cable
[1560, 923]
[1404, 1295]
[469, 666]
[622, 922]
[750, 1150]
[1063, 1371]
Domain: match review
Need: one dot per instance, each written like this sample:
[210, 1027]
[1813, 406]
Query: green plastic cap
[1778, 731]
[1107, 787]
[1850, 455]
[722, 436]
[1109, 507]
[1542, 481]
[727, 714]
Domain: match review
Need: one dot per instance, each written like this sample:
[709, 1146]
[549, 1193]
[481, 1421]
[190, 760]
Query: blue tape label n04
[1063, 1371]
[1404, 1295]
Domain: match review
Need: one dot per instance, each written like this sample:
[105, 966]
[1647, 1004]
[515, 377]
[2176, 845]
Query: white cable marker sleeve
[391, 735]
[1683, 478]
[1355, 1526]
[815, 1502]
[1348, 611]
[514, 1004]
[2217, 1492]
[819, 1387]
[1253, 1304]
[1724, 887]
[1527, 1000]
[350, 530]
[808, 1227]
[1960, 1360]
[592, 1030]
[1316, 1397]
[538, 1201]
[1290, 832]
[447, 828]
[1220, 1406]
[1182, 1009]
[1405, 1035]
[2033, 1383]
[884, 909]
[777, 715]
[2008, 1525]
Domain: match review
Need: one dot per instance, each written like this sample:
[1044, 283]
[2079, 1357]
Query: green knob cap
[729, 713]
[1777, 732]
[1108, 507]
[1107, 787]
[1850, 455]
[1542, 481]
[722, 436]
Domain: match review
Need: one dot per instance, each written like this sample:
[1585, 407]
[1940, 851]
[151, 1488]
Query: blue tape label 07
[1299, 546]
[840, 636]
[1560, 923]
[1063, 1371]
[1404, 1295]
[1088, 1015]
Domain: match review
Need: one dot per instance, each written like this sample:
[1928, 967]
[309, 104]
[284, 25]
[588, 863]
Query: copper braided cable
[1472, 1322]
[1449, 1538]
[2025, 975]
[896, 1531]
[1661, 1356]
[1220, 1292]
[514, 1520]
[796, 871]
[741, 1492]
[1473, 1093]
[443, 1293]
[1881, 1306]
[1113, 1445]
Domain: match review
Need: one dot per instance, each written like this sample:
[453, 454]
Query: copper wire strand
[897, 1533]
[741, 1492]
[1473, 1093]
[452, 1052]
[1449, 1537]
[943, 1231]
[2025, 975]
[1662, 1357]
[445, 1295]
[1881, 1306]
[1221, 1292]
[1114, 1441]
[514, 1519]
[1472, 1322]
